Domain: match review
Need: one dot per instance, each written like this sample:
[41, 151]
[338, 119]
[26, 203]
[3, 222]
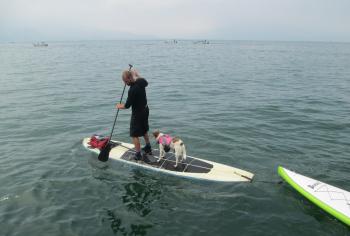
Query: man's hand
[120, 106]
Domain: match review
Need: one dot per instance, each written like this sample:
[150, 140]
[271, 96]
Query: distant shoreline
[178, 40]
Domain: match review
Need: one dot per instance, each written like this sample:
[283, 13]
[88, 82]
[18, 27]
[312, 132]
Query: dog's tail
[183, 151]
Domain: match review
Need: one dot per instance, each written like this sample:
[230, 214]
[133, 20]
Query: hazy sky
[316, 20]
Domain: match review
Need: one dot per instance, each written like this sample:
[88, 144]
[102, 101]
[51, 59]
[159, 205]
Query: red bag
[98, 142]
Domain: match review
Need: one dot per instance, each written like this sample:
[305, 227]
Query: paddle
[104, 154]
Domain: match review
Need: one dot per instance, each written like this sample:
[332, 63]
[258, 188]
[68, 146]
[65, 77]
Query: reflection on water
[139, 196]
[134, 229]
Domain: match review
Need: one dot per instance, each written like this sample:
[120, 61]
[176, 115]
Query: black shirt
[137, 98]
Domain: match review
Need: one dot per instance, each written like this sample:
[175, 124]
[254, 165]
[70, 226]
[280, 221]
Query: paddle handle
[116, 116]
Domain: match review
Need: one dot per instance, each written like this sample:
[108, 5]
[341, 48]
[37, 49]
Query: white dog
[166, 143]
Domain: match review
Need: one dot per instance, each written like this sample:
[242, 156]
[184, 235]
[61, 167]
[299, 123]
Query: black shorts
[139, 122]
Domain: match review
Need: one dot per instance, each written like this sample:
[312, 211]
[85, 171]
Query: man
[137, 100]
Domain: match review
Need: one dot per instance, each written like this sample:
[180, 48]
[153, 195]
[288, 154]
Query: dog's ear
[175, 139]
[155, 133]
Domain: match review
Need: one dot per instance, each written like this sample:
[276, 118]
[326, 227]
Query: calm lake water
[252, 105]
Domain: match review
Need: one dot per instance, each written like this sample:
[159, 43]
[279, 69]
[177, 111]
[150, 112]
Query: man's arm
[129, 101]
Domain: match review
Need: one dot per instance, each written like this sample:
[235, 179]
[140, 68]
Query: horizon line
[177, 39]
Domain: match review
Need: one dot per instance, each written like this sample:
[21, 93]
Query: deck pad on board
[190, 165]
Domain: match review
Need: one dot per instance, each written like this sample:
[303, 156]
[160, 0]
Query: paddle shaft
[104, 154]
[116, 116]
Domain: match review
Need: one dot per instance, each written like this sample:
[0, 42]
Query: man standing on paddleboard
[137, 100]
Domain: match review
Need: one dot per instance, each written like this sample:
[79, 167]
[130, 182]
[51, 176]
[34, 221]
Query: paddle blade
[104, 154]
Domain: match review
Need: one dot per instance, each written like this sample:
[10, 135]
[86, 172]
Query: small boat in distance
[201, 42]
[174, 41]
[40, 44]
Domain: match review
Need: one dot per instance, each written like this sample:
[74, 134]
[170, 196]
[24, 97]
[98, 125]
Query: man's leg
[147, 148]
[146, 137]
[137, 144]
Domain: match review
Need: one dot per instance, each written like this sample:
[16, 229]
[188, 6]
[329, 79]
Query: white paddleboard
[191, 168]
[333, 200]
